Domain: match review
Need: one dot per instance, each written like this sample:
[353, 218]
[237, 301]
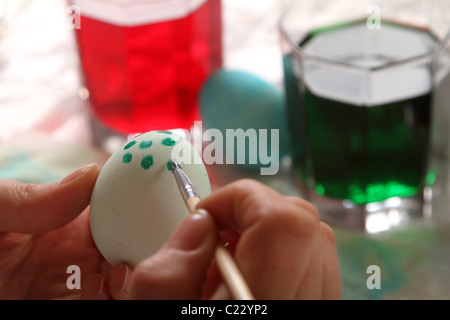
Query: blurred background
[46, 132]
[41, 93]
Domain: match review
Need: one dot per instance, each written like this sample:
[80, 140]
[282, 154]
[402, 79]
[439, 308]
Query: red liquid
[148, 77]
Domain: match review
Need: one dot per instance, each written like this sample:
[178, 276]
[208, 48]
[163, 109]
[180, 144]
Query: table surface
[46, 133]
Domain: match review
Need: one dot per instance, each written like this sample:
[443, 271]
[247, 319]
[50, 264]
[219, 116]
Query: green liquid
[362, 153]
[367, 154]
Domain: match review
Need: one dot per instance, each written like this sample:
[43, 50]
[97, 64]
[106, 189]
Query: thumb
[178, 270]
[37, 208]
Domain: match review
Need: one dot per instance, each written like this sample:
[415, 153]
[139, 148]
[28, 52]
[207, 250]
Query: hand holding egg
[136, 203]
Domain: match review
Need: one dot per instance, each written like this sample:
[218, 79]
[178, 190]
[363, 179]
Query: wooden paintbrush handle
[191, 203]
[232, 275]
[227, 266]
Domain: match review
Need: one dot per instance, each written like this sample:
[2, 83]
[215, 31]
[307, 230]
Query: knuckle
[290, 215]
[328, 234]
[141, 274]
[246, 183]
[23, 197]
[148, 279]
[296, 220]
[308, 225]
[304, 205]
[246, 187]
[149, 270]
[251, 195]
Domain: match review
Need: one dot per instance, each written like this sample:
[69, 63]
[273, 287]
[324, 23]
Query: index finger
[279, 244]
[240, 204]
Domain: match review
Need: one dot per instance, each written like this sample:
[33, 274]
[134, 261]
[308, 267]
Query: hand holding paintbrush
[227, 266]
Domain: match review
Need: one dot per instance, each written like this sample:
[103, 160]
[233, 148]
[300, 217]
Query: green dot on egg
[130, 144]
[147, 162]
[127, 158]
[169, 165]
[166, 132]
[145, 144]
[169, 142]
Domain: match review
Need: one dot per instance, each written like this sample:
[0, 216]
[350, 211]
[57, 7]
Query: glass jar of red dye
[144, 61]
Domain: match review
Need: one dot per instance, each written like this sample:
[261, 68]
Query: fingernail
[77, 173]
[100, 284]
[123, 289]
[101, 293]
[193, 231]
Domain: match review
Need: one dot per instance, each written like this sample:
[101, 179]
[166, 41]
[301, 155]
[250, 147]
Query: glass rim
[299, 51]
[130, 13]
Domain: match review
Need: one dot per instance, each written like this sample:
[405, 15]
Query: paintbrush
[229, 270]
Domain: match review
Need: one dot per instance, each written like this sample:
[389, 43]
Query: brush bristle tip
[174, 164]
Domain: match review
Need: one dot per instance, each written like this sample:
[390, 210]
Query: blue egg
[238, 100]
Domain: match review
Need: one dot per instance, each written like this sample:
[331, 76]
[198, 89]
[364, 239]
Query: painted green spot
[130, 144]
[169, 166]
[169, 142]
[161, 131]
[127, 158]
[147, 162]
[145, 144]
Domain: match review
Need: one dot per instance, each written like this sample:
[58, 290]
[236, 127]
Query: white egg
[136, 203]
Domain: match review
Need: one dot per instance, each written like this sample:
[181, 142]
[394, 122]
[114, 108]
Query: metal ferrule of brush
[186, 187]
